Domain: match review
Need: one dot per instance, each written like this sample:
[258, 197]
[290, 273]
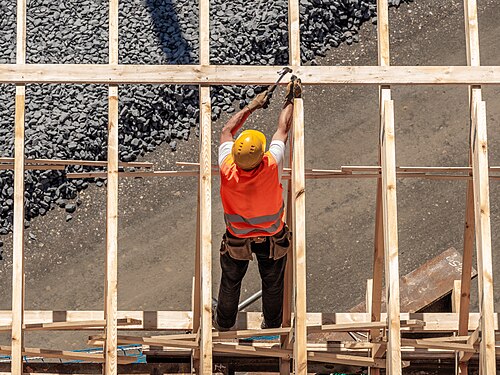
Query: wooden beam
[182, 320]
[444, 345]
[479, 145]
[455, 296]
[299, 240]
[72, 326]
[205, 193]
[9, 167]
[378, 262]
[247, 75]
[475, 97]
[391, 240]
[285, 176]
[67, 355]
[464, 356]
[61, 162]
[111, 272]
[18, 287]
[389, 199]
[298, 204]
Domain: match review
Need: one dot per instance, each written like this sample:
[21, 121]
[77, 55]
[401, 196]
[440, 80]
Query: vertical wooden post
[480, 177]
[298, 203]
[17, 336]
[384, 95]
[111, 287]
[393, 364]
[288, 279]
[299, 239]
[455, 296]
[475, 96]
[205, 201]
[477, 209]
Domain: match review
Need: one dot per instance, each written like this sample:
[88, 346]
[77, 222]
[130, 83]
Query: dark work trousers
[272, 273]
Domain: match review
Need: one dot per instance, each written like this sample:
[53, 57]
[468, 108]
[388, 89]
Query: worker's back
[252, 200]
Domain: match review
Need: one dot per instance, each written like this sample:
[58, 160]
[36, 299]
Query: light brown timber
[17, 335]
[479, 145]
[62, 354]
[475, 96]
[391, 240]
[299, 244]
[111, 276]
[247, 75]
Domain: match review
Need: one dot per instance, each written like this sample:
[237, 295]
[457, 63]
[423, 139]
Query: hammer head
[285, 70]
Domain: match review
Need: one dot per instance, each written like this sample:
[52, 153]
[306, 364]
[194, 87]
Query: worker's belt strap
[233, 218]
[241, 248]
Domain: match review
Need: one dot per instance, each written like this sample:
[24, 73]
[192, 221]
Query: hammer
[282, 73]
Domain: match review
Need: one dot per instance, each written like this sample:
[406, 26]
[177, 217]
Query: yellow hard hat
[248, 149]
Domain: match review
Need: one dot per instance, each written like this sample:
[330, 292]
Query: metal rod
[250, 300]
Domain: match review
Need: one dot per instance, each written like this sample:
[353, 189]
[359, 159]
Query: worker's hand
[260, 101]
[289, 92]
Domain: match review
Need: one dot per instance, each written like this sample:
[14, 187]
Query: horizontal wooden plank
[245, 74]
[9, 167]
[70, 326]
[443, 345]
[182, 320]
[92, 163]
[67, 355]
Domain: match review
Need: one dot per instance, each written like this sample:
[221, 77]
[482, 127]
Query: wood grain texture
[182, 320]
[299, 239]
[391, 240]
[111, 287]
[479, 144]
[66, 355]
[248, 75]
[18, 288]
[111, 275]
[205, 232]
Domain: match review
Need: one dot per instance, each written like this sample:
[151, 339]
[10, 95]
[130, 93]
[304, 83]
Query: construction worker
[252, 198]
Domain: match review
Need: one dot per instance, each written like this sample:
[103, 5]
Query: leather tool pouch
[238, 248]
[280, 243]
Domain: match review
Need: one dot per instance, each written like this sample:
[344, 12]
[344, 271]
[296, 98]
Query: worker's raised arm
[233, 125]
[293, 90]
[237, 121]
[284, 123]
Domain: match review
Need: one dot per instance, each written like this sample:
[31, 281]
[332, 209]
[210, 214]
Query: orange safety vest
[252, 200]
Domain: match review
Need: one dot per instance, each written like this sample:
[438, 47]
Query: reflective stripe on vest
[271, 229]
[230, 218]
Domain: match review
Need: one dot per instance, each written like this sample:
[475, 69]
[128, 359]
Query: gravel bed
[70, 121]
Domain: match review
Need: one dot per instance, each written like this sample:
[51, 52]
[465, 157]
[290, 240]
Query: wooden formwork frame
[297, 322]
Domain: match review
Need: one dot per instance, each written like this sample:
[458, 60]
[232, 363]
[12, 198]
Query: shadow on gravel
[151, 32]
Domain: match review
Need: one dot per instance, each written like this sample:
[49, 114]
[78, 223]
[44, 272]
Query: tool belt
[241, 248]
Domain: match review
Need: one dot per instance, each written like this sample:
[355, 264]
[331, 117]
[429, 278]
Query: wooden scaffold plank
[298, 204]
[205, 194]
[383, 54]
[391, 257]
[17, 334]
[182, 320]
[479, 146]
[248, 75]
[299, 240]
[475, 97]
[288, 294]
[111, 272]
